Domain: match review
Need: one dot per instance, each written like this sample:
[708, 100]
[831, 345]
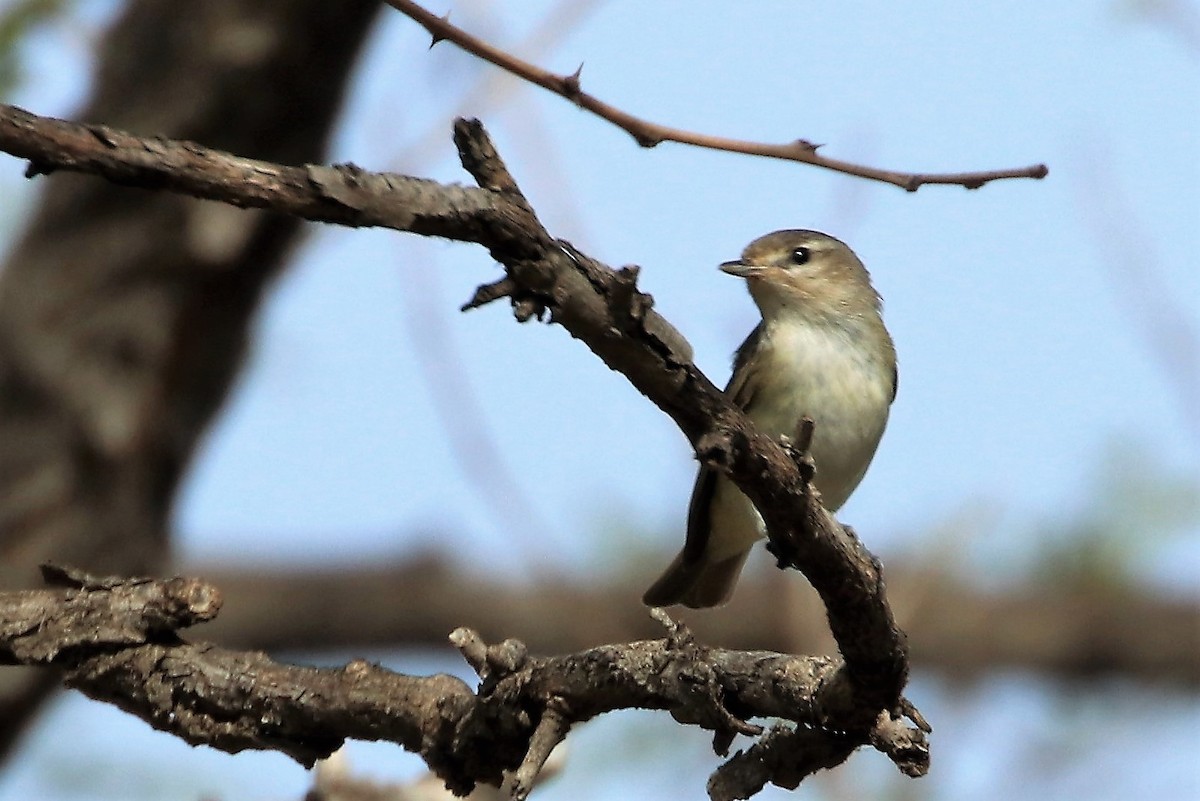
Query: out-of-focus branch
[600, 306]
[651, 134]
[956, 630]
[524, 706]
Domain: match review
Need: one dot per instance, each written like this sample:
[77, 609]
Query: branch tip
[486, 293]
[661, 617]
[472, 647]
[551, 730]
[804, 434]
[479, 157]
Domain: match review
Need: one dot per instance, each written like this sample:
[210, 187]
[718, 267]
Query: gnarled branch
[600, 306]
[523, 707]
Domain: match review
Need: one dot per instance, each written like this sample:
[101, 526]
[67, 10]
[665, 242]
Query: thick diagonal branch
[596, 304]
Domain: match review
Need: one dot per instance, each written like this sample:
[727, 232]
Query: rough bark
[116, 641]
[596, 304]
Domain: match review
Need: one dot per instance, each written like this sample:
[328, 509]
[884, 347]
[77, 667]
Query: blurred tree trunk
[124, 312]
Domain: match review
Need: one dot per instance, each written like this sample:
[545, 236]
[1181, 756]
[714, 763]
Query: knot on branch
[492, 663]
[628, 304]
[907, 747]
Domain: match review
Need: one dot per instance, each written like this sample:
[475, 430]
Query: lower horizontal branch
[234, 700]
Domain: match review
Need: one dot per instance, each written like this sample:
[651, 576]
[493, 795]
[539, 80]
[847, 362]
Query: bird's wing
[741, 391]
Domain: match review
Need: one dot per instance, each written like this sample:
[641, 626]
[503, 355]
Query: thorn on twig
[571, 86]
[438, 36]
[649, 134]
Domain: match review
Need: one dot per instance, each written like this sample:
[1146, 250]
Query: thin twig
[551, 730]
[650, 134]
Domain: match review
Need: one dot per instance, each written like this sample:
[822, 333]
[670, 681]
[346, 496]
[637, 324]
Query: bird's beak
[741, 269]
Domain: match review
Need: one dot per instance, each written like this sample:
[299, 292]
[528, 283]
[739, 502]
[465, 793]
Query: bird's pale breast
[827, 374]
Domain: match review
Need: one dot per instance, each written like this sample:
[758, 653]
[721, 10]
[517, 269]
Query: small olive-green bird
[821, 351]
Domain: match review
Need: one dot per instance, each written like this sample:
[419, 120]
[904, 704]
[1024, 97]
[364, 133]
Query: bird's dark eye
[801, 255]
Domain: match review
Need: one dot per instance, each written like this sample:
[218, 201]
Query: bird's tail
[696, 583]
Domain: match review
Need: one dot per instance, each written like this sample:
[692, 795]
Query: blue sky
[1021, 361]
[1022, 312]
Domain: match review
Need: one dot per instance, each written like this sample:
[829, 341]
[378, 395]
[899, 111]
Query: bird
[821, 351]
